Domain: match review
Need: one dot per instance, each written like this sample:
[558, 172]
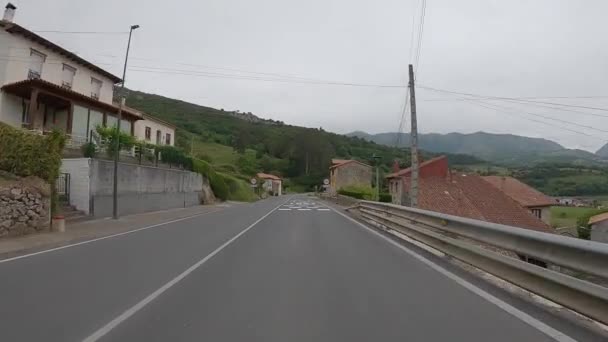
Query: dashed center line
[304, 209]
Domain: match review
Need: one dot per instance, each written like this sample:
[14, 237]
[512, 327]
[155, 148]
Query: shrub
[126, 141]
[359, 192]
[583, 227]
[385, 197]
[26, 154]
[89, 150]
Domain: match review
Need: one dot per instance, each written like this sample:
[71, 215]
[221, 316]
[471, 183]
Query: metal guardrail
[469, 240]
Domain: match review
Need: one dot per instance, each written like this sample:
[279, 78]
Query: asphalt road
[268, 271]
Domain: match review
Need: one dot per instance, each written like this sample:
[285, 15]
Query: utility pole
[117, 142]
[377, 162]
[414, 143]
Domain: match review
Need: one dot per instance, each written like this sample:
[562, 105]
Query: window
[148, 133]
[536, 212]
[168, 139]
[68, 76]
[158, 137]
[36, 62]
[95, 88]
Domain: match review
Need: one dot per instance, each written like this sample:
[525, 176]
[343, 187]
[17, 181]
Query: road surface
[283, 269]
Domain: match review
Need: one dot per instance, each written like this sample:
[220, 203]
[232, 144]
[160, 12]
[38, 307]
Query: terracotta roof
[470, 196]
[267, 176]
[520, 192]
[406, 172]
[598, 218]
[341, 162]
[17, 29]
[22, 88]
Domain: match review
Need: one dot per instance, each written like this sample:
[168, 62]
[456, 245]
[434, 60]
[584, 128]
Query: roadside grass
[566, 216]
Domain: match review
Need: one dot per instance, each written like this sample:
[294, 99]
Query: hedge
[386, 198]
[25, 154]
[359, 192]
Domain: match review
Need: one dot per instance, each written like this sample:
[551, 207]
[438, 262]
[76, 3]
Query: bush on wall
[26, 154]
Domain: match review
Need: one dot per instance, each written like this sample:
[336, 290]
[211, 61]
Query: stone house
[343, 173]
[535, 201]
[271, 184]
[599, 228]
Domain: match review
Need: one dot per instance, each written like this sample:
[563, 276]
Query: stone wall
[353, 174]
[24, 205]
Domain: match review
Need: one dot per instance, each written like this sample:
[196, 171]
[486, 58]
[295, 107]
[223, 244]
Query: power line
[80, 32]
[515, 100]
[534, 120]
[545, 117]
[509, 98]
[420, 34]
[253, 78]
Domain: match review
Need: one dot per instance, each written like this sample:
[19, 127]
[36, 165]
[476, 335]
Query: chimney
[396, 166]
[9, 12]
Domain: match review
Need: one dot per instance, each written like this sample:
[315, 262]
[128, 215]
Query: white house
[44, 86]
[155, 131]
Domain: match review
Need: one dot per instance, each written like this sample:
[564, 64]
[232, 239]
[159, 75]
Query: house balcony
[47, 106]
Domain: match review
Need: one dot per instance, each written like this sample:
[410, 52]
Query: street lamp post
[117, 142]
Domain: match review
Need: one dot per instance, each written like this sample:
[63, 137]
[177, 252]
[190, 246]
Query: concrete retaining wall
[80, 182]
[140, 188]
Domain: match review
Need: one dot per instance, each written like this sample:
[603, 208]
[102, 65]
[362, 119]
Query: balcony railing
[33, 75]
[66, 85]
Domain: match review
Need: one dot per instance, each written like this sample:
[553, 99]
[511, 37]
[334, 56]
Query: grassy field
[566, 216]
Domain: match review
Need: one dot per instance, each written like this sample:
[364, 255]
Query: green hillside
[242, 144]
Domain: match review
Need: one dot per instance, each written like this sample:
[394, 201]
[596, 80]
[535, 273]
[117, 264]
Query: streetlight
[376, 159]
[117, 143]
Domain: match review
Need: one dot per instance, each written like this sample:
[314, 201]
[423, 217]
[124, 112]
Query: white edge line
[107, 237]
[135, 308]
[542, 327]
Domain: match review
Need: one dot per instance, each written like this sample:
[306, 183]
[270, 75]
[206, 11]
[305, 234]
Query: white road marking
[282, 209]
[323, 209]
[303, 209]
[524, 317]
[135, 308]
[107, 237]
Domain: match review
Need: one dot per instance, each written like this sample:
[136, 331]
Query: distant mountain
[602, 152]
[500, 148]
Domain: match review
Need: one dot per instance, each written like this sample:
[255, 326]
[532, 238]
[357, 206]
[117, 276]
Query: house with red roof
[271, 183]
[461, 194]
[348, 172]
[535, 201]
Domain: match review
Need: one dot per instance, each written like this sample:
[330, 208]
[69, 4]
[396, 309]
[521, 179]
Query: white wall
[16, 69]
[80, 182]
[140, 131]
[11, 109]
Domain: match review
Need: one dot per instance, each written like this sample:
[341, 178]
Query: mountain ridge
[500, 148]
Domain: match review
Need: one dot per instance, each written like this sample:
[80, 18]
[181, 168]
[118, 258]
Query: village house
[459, 194]
[343, 173]
[45, 86]
[271, 184]
[599, 228]
[155, 131]
[535, 201]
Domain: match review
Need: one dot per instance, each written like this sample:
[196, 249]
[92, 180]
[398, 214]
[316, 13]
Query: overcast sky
[515, 48]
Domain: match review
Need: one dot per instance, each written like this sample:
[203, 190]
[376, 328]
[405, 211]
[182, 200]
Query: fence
[62, 186]
[482, 244]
